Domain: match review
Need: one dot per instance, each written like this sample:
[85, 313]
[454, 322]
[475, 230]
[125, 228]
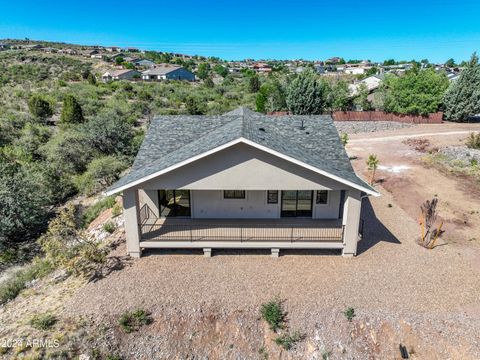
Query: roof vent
[302, 127]
[261, 129]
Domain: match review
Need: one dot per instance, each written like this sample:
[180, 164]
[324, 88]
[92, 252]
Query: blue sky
[312, 30]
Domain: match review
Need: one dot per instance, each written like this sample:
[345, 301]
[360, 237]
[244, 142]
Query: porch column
[150, 198]
[131, 212]
[351, 221]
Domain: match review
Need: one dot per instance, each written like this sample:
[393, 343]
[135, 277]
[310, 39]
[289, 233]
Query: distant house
[125, 74]
[262, 68]
[325, 68]
[143, 63]
[167, 72]
[32, 47]
[112, 49]
[371, 82]
[118, 55]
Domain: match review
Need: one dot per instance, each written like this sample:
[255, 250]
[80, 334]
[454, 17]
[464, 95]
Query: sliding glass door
[297, 203]
[174, 203]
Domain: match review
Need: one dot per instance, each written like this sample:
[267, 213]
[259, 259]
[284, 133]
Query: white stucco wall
[211, 204]
[330, 210]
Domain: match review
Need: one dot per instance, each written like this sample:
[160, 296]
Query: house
[143, 63]
[5, 46]
[124, 74]
[372, 83]
[262, 68]
[167, 72]
[242, 180]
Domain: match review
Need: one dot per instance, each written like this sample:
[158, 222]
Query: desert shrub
[117, 210]
[349, 313]
[417, 92]
[39, 107]
[101, 172]
[72, 111]
[473, 141]
[43, 321]
[109, 227]
[108, 133]
[132, 321]
[68, 152]
[272, 312]
[93, 211]
[22, 203]
[65, 246]
[10, 288]
[288, 341]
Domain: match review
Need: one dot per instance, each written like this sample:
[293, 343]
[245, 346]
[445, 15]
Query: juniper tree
[307, 94]
[71, 112]
[462, 99]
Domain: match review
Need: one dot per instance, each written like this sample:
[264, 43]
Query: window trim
[268, 197]
[317, 202]
[235, 198]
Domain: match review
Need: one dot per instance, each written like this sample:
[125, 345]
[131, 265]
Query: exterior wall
[180, 74]
[128, 76]
[211, 204]
[351, 220]
[330, 210]
[132, 220]
[243, 167]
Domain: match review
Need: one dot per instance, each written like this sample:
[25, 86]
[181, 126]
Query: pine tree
[72, 112]
[462, 99]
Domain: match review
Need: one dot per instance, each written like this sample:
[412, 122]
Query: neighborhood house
[242, 180]
[167, 72]
[126, 74]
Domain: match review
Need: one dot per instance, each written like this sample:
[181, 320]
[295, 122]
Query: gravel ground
[391, 281]
[461, 153]
[355, 127]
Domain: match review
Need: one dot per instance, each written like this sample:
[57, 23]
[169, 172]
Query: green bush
[109, 227]
[349, 313]
[272, 312]
[117, 210]
[101, 172]
[43, 321]
[132, 321]
[473, 141]
[93, 211]
[71, 112]
[287, 341]
[19, 281]
[39, 107]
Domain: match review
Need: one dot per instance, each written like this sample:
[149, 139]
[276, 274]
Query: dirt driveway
[404, 174]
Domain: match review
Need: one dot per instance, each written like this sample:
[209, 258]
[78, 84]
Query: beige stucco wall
[242, 167]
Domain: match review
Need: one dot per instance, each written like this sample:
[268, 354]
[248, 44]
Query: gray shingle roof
[316, 144]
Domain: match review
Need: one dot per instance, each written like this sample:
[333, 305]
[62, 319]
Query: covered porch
[242, 233]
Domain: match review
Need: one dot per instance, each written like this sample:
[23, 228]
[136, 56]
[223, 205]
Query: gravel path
[355, 127]
[461, 153]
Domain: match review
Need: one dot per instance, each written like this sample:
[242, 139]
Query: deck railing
[241, 233]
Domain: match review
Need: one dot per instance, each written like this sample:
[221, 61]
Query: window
[322, 196]
[234, 194]
[272, 197]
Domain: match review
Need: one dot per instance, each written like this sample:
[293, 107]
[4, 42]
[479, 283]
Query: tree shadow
[373, 229]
